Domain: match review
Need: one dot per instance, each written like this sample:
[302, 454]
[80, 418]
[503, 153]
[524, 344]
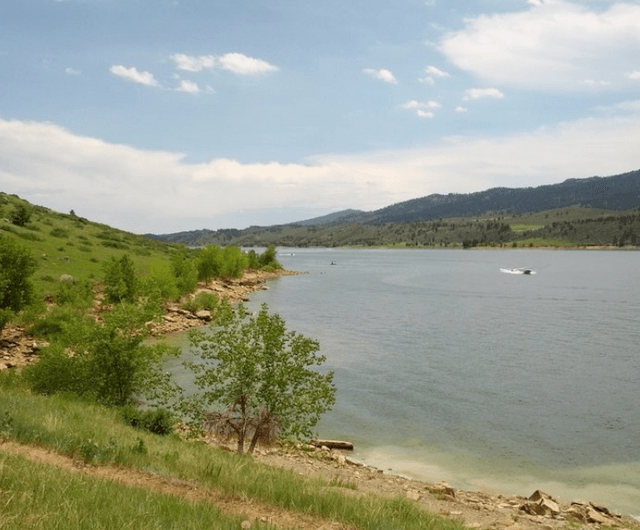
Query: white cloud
[461, 109]
[633, 75]
[132, 74]
[382, 74]
[436, 72]
[240, 64]
[554, 44]
[481, 93]
[193, 64]
[72, 71]
[237, 63]
[432, 73]
[155, 191]
[188, 86]
[424, 109]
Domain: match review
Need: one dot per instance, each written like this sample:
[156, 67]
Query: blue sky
[169, 115]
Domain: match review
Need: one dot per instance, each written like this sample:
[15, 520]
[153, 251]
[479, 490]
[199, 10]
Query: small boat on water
[518, 270]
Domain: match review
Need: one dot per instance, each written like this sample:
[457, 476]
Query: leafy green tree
[209, 263]
[234, 262]
[121, 283]
[257, 378]
[108, 362]
[16, 266]
[21, 214]
[161, 280]
[185, 271]
[268, 258]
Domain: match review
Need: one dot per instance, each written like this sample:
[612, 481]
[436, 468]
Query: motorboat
[518, 270]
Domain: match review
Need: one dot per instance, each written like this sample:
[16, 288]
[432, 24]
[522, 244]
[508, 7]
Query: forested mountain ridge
[620, 192]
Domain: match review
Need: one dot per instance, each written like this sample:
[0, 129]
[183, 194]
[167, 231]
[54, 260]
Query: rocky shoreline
[539, 511]
[18, 349]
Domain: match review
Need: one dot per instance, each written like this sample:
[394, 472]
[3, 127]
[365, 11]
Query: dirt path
[249, 509]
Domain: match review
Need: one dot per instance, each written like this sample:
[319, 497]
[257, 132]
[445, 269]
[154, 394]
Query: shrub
[21, 214]
[156, 421]
[16, 266]
[120, 279]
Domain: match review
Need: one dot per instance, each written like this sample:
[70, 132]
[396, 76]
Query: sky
[158, 116]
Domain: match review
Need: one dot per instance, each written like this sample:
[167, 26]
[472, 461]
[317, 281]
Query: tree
[16, 266]
[209, 263]
[260, 381]
[108, 361]
[120, 279]
[21, 214]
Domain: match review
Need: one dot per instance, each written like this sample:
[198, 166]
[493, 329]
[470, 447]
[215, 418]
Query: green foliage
[5, 317]
[260, 370]
[161, 280]
[16, 266]
[108, 362]
[233, 263]
[121, 283]
[201, 301]
[78, 293]
[21, 214]
[209, 263]
[267, 260]
[185, 271]
[156, 421]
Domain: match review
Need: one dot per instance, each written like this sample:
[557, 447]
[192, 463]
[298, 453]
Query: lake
[448, 368]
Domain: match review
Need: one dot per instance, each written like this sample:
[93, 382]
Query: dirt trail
[251, 510]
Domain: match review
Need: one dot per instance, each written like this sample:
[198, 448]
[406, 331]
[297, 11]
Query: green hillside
[65, 244]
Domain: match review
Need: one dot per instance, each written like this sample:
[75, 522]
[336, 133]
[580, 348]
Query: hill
[66, 244]
[589, 211]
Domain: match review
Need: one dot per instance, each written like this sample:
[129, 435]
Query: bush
[21, 214]
[120, 279]
[16, 266]
[201, 301]
[157, 421]
[161, 280]
[5, 317]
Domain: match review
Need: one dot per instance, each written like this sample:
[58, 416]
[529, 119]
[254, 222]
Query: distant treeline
[574, 226]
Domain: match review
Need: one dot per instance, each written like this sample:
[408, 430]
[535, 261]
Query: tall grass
[97, 435]
[42, 497]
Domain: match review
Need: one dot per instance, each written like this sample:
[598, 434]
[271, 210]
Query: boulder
[541, 503]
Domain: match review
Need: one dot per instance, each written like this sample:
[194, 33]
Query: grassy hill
[65, 244]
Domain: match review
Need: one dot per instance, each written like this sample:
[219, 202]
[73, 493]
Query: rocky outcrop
[17, 349]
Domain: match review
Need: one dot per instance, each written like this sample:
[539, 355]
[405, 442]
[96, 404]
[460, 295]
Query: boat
[518, 270]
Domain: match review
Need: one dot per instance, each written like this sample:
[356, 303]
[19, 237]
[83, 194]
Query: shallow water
[448, 368]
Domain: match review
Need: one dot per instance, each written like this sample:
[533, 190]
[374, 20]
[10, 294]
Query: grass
[98, 436]
[71, 245]
[523, 227]
[38, 496]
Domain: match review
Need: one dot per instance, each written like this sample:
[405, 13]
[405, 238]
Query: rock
[442, 488]
[67, 278]
[203, 314]
[413, 495]
[541, 503]
[594, 516]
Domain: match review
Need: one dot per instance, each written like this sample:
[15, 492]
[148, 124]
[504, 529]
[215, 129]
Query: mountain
[619, 192]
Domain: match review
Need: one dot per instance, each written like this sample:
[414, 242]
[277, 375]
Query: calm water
[449, 369]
